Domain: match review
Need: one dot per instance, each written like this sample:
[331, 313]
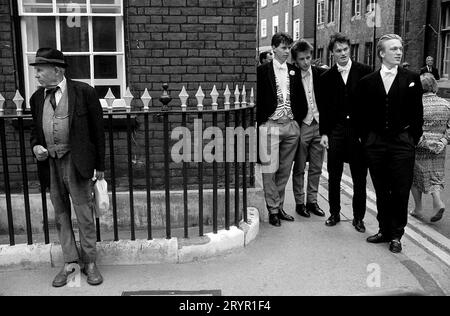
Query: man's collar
[385, 70]
[277, 64]
[305, 73]
[346, 67]
[63, 85]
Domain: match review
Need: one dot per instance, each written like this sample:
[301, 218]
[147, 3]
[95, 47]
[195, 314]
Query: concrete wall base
[139, 252]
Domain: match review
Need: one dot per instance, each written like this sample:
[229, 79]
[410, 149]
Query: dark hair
[281, 38]
[263, 56]
[301, 46]
[338, 38]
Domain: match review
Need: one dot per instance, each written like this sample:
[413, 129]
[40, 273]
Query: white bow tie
[283, 67]
[391, 72]
[344, 69]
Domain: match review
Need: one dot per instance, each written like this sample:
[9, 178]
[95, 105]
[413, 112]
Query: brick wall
[180, 42]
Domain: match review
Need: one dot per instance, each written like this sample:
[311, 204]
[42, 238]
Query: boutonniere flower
[412, 84]
[292, 73]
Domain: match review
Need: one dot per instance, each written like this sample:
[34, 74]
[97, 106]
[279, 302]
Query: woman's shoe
[438, 216]
[416, 214]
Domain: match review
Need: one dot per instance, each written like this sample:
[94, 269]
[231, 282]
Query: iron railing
[241, 115]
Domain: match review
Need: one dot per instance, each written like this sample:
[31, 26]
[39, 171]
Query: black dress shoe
[378, 239]
[282, 215]
[395, 246]
[93, 275]
[315, 209]
[274, 220]
[359, 225]
[61, 279]
[302, 211]
[333, 220]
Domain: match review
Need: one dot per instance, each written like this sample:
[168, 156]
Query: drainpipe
[315, 29]
[340, 16]
[427, 37]
[16, 46]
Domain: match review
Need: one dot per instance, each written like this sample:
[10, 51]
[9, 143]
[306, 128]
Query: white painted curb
[139, 252]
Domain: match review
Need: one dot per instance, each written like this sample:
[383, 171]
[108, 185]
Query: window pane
[37, 6]
[106, 6]
[41, 32]
[79, 67]
[104, 34]
[105, 67]
[74, 34]
[71, 6]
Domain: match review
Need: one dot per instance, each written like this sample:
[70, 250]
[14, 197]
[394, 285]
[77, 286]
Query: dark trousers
[65, 182]
[391, 164]
[345, 147]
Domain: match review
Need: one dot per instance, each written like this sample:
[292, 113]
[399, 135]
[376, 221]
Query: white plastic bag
[101, 197]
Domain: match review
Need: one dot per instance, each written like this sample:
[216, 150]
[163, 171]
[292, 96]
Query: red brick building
[136, 44]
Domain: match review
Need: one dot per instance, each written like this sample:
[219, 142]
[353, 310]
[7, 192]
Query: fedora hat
[49, 56]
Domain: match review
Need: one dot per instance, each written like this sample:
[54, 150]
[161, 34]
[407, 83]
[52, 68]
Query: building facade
[295, 17]
[128, 44]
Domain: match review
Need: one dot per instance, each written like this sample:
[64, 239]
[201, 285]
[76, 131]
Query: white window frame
[263, 28]
[275, 23]
[358, 5]
[320, 12]
[296, 3]
[30, 87]
[331, 11]
[296, 34]
[274, 1]
[446, 58]
[286, 22]
[263, 3]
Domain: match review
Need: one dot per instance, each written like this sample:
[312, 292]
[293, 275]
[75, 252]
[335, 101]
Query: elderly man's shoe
[378, 239]
[61, 279]
[302, 211]
[93, 275]
[395, 246]
[274, 220]
[315, 209]
[333, 220]
[359, 226]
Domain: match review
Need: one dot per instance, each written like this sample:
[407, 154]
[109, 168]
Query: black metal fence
[238, 176]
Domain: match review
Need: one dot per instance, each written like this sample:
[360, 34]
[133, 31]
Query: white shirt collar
[386, 71]
[279, 66]
[346, 67]
[305, 73]
[62, 86]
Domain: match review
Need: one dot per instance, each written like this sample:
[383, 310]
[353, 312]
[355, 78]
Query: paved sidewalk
[300, 258]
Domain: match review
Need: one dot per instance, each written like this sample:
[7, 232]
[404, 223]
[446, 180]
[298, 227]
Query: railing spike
[200, 97]
[146, 99]
[128, 97]
[237, 94]
[2, 102]
[184, 96]
[227, 95]
[18, 100]
[215, 97]
[110, 98]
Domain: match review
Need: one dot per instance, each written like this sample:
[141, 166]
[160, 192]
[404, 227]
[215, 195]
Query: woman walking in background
[429, 170]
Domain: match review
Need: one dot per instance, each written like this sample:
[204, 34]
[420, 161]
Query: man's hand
[40, 152]
[325, 142]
